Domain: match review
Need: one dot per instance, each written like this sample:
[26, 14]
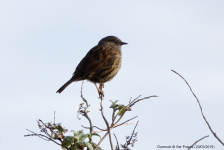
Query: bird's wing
[96, 58]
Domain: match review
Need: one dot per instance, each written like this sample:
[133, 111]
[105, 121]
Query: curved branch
[86, 112]
[197, 142]
[200, 108]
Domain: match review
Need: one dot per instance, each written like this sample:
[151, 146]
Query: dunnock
[100, 64]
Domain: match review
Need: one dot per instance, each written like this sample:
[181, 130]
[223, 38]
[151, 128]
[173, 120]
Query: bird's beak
[123, 43]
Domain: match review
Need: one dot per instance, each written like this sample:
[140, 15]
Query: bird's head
[112, 42]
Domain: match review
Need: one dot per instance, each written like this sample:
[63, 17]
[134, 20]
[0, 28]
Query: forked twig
[41, 136]
[131, 103]
[130, 140]
[200, 108]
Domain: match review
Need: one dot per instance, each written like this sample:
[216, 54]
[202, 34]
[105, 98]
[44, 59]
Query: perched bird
[100, 64]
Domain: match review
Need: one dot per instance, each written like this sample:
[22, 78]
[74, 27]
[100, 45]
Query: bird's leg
[101, 86]
[100, 91]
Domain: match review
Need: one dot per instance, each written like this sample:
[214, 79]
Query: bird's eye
[116, 42]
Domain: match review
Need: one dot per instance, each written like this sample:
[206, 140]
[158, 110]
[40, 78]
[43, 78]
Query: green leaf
[74, 132]
[94, 146]
[120, 107]
[60, 129]
[63, 147]
[88, 145]
[115, 102]
[80, 133]
[76, 138]
[121, 112]
[72, 147]
[96, 135]
[68, 140]
[77, 134]
[89, 136]
[83, 137]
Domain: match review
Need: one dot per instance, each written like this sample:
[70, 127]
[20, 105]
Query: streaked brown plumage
[100, 64]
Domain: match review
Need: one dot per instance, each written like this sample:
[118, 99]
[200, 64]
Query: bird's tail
[64, 86]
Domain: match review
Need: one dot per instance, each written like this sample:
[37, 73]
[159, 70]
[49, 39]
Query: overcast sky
[42, 42]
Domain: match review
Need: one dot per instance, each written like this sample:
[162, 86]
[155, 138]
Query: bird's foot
[101, 93]
[101, 86]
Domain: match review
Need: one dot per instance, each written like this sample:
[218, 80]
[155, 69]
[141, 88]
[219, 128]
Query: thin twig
[117, 147]
[131, 103]
[129, 140]
[82, 95]
[94, 127]
[124, 122]
[86, 112]
[47, 127]
[133, 132]
[40, 136]
[200, 108]
[54, 117]
[135, 101]
[102, 139]
[197, 142]
[107, 124]
[101, 130]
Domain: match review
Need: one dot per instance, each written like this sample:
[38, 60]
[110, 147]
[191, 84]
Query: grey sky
[41, 43]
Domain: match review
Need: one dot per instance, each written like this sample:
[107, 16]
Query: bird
[100, 65]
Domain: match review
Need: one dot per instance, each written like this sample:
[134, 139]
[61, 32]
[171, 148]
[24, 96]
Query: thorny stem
[200, 108]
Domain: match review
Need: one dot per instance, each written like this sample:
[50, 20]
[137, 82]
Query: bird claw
[101, 94]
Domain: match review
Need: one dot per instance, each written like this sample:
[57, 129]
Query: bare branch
[130, 140]
[113, 125]
[133, 132]
[107, 124]
[135, 101]
[117, 147]
[101, 130]
[86, 112]
[41, 136]
[197, 142]
[95, 127]
[131, 103]
[200, 108]
[124, 122]
[102, 139]
[54, 117]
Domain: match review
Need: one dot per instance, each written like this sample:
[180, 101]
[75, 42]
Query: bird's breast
[109, 69]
